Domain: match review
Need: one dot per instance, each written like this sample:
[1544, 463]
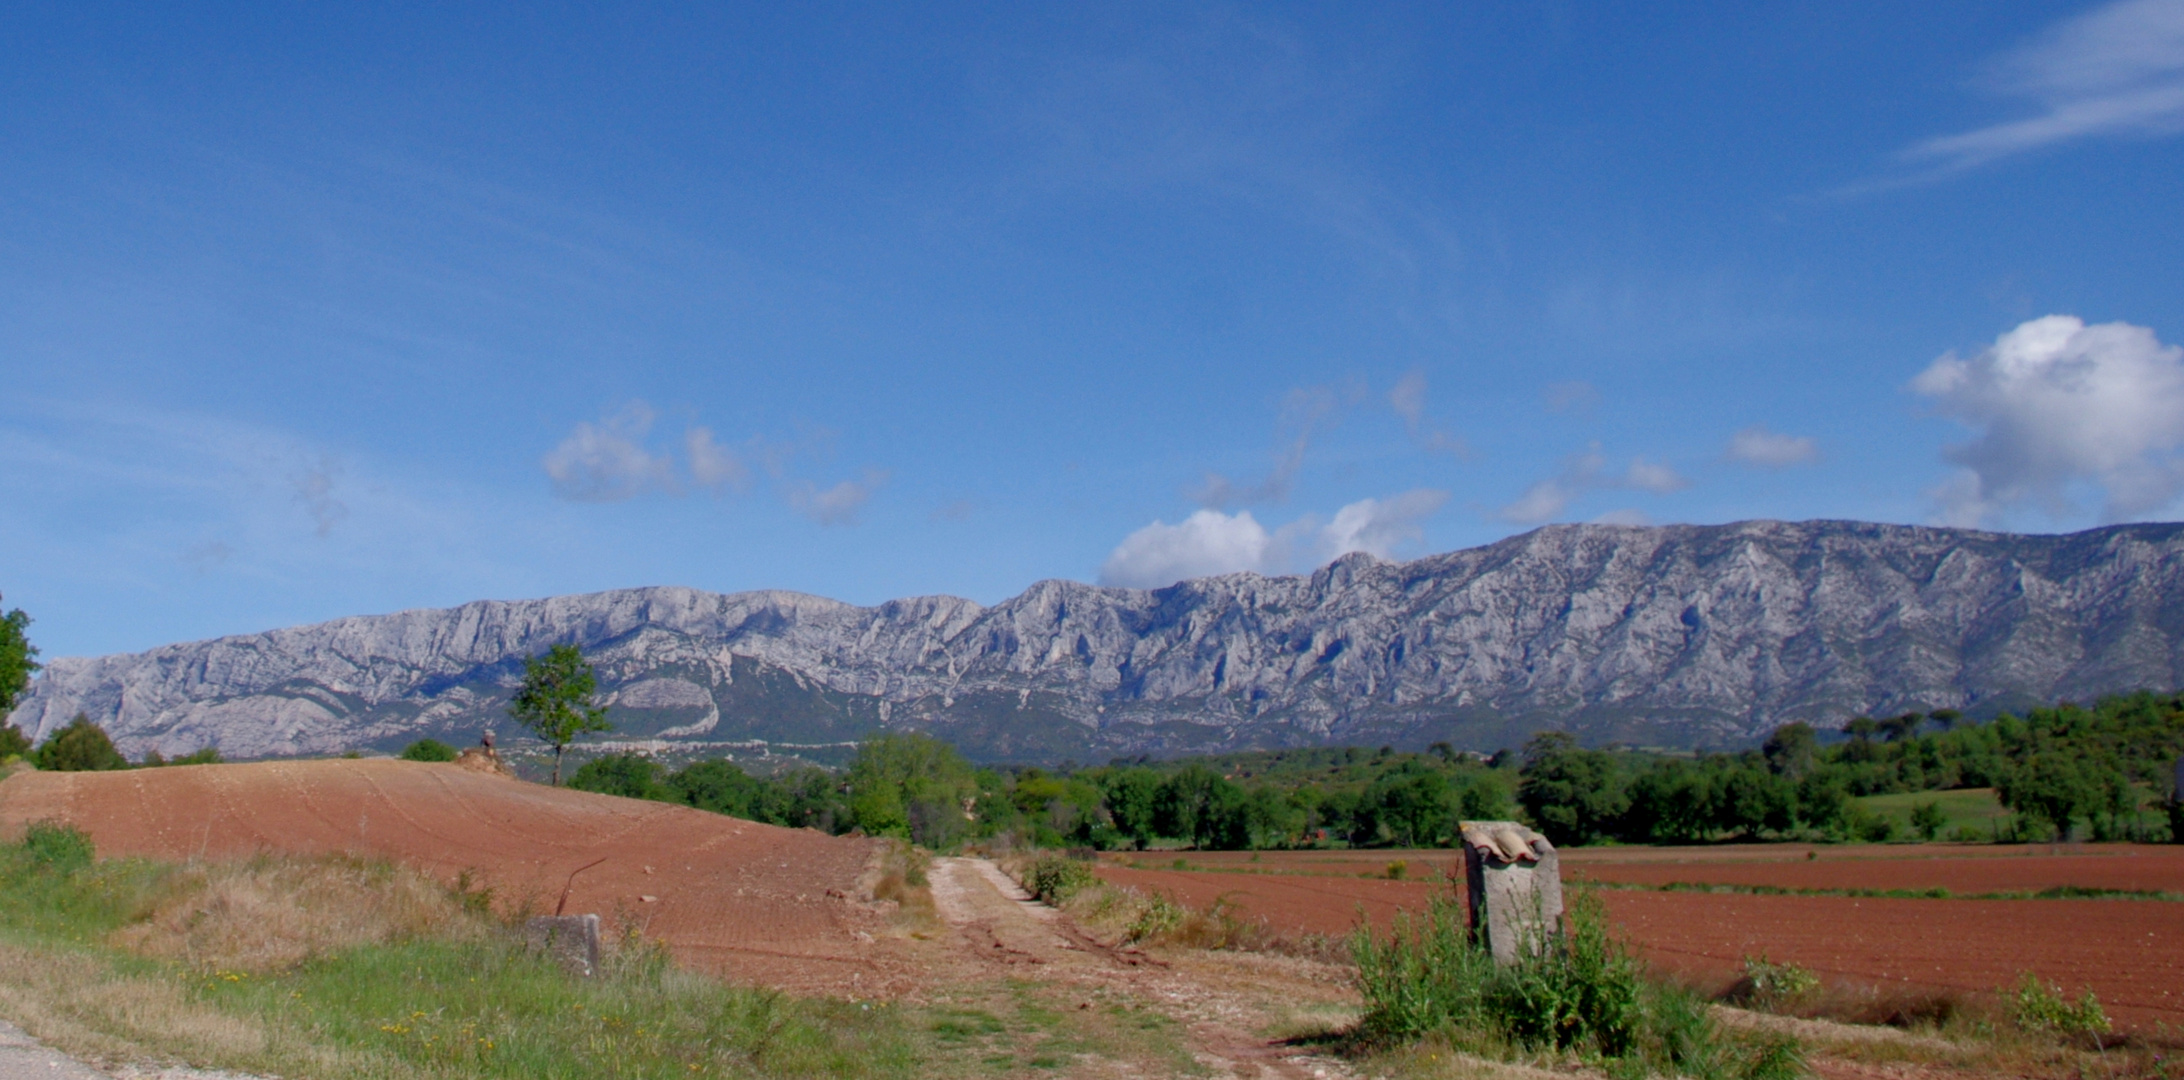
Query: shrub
[1770, 985]
[58, 846]
[13, 743]
[2039, 1006]
[1056, 878]
[1584, 995]
[82, 746]
[429, 750]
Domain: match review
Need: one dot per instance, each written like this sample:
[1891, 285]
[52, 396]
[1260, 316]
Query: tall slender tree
[18, 662]
[556, 702]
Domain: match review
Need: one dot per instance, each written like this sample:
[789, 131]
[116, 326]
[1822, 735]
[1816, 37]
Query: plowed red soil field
[2130, 952]
[753, 902]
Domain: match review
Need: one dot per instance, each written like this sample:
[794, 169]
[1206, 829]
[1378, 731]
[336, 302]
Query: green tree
[429, 750]
[718, 786]
[1927, 820]
[2050, 788]
[1574, 795]
[912, 786]
[1791, 749]
[1131, 794]
[18, 662]
[632, 776]
[18, 659]
[82, 746]
[555, 702]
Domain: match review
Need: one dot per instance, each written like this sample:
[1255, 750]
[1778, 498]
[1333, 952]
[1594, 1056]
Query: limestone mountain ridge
[1680, 635]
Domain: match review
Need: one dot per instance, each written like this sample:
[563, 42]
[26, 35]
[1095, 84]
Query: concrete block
[1514, 882]
[572, 940]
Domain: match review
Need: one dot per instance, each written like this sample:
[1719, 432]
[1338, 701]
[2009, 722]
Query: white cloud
[606, 462]
[1206, 543]
[1756, 445]
[1377, 527]
[1546, 500]
[2116, 70]
[2055, 403]
[1653, 476]
[1211, 542]
[837, 505]
[713, 466]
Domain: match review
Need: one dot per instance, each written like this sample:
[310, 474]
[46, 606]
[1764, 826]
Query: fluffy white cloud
[1756, 445]
[1210, 542]
[1546, 500]
[1377, 526]
[2055, 403]
[2116, 70]
[1206, 543]
[607, 462]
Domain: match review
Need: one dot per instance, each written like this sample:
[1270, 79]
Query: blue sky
[308, 311]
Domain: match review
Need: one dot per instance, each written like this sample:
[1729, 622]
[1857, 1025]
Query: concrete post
[571, 940]
[1513, 879]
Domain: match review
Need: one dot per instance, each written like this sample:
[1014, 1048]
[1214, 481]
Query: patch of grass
[424, 985]
[1056, 878]
[1970, 813]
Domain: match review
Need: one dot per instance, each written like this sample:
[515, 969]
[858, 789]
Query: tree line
[2056, 768]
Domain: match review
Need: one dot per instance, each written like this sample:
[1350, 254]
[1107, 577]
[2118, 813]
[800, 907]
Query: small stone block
[572, 940]
[1513, 879]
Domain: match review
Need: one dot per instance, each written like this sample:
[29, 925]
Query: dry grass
[897, 876]
[272, 913]
[1127, 916]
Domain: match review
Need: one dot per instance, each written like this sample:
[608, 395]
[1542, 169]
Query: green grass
[482, 1007]
[1974, 811]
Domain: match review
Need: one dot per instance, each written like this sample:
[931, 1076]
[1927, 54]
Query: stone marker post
[1514, 881]
[572, 940]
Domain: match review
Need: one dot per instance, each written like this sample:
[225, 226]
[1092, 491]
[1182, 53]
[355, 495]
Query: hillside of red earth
[757, 903]
[2130, 952]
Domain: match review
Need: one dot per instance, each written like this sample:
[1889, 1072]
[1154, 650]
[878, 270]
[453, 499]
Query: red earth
[750, 901]
[2129, 952]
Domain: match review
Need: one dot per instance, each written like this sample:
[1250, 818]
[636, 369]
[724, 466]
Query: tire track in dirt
[1000, 928]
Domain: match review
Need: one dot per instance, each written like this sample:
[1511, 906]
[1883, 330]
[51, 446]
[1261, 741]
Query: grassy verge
[1129, 916]
[337, 968]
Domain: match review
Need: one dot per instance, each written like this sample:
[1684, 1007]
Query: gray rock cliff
[1671, 636]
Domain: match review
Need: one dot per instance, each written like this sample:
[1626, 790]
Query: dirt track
[753, 902]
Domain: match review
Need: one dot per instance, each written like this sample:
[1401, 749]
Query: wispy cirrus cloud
[1306, 411]
[2115, 71]
[1756, 445]
[613, 461]
[1408, 399]
[1588, 471]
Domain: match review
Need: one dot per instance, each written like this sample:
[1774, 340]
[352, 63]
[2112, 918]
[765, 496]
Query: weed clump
[58, 846]
[1582, 995]
[2038, 1005]
[1056, 878]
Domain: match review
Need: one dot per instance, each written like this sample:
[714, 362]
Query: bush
[1584, 995]
[58, 846]
[2039, 1006]
[13, 743]
[1056, 878]
[429, 750]
[1769, 985]
[82, 746]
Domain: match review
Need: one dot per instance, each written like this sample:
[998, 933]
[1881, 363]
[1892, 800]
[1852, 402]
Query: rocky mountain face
[1671, 636]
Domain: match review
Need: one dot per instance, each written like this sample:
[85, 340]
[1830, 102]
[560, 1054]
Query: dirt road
[1233, 1005]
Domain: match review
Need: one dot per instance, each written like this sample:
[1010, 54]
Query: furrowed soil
[2128, 951]
[1012, 987]
[749, 901]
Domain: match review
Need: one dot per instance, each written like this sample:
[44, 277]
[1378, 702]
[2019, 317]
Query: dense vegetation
[2055, 767]
[921, 789]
